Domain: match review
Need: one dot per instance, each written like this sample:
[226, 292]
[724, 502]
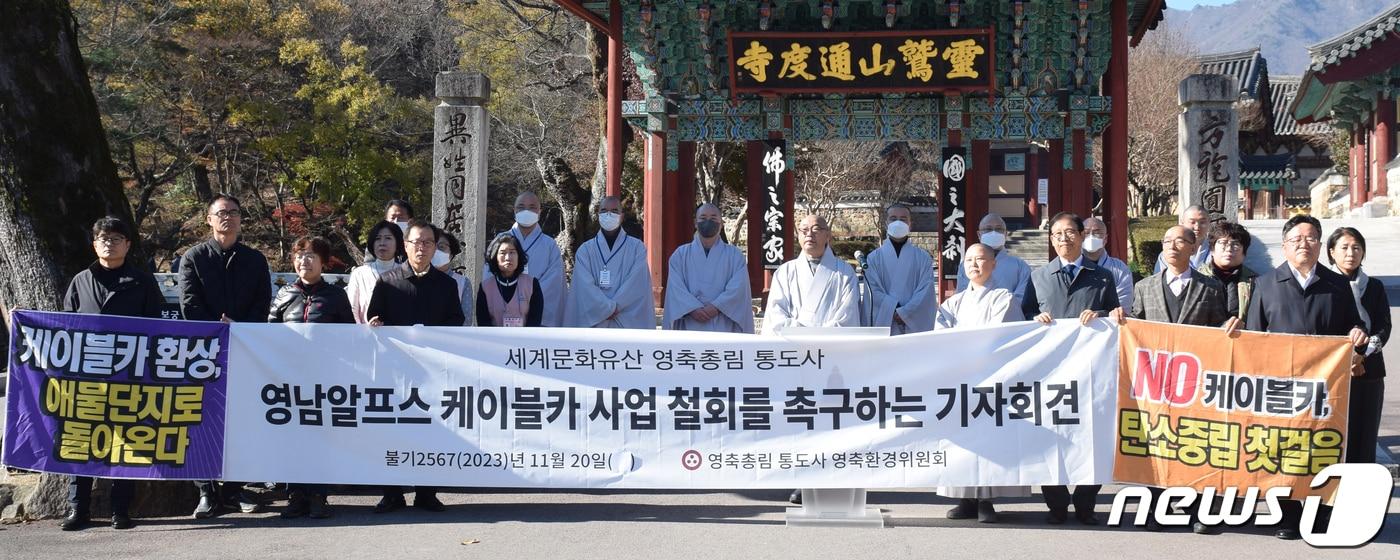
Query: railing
[170, 283]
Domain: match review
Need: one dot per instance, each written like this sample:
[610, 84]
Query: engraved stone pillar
[1208, 131]
[461, 133]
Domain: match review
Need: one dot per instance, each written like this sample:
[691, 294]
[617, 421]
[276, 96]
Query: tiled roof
[1272, 170]
[1283, 89]
[1248, 67]
[1355, 40]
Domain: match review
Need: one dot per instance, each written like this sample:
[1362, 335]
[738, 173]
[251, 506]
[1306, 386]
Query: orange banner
[1197, 408]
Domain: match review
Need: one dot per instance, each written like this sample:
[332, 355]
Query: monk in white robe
[1012, 273]
[707, 286]
[977, 305]
[545, 263]
[611, 282]
[816, 289]
[901, 279]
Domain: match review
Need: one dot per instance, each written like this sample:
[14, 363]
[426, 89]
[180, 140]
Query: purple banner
[116, 397]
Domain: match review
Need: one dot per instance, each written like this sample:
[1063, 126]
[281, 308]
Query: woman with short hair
[1346, 248]
[384, 246]
[508, 297]
[311, 299]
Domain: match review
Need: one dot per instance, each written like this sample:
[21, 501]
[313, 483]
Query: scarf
[1358, 289]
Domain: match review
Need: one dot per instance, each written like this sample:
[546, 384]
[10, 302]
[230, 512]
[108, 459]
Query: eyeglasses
[423, 242]
[1068, 234]
[226, 214]
[110, 239]
[1229, 245]
[1303, 240]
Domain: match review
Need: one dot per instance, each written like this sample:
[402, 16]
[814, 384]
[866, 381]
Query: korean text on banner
[1199, 409]
[116, 397]
[1018, 404]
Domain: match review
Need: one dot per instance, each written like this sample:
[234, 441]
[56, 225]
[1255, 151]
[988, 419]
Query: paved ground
[619, 525]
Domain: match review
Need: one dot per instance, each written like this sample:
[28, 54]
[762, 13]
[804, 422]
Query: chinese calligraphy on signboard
[774, 217]
[952, 204]
[877, 61]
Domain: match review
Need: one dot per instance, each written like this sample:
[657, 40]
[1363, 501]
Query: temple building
[1351, 86]
[1016, 93]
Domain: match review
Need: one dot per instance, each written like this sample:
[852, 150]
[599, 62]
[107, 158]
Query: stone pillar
[461, 134]
[1208, 167]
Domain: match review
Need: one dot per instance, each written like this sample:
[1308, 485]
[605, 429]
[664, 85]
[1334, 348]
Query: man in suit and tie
[1182, 296]
[1069, 287]
[1178, 294]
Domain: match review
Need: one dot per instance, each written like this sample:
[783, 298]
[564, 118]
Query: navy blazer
[1092, 288]
[1280, 305]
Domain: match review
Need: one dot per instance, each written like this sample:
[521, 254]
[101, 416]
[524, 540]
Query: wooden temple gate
[724, 71]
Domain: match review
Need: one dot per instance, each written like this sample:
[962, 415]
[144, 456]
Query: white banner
[1019, 404]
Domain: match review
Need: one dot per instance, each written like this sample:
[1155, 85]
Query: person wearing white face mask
[612, 283]
[1095, 239]
[901, 279]
[448, 248]
[385, 248]
[707, 288]
[544, 262]
[398, 212]
[1012, 273]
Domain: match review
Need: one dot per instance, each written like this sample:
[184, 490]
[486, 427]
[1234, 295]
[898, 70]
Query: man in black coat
[1300, 297]
[224, 280]
[1070, 287]
[415, 293]
[110, 286]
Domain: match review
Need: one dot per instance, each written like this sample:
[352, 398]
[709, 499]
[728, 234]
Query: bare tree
[831, 171]
[1155, 68]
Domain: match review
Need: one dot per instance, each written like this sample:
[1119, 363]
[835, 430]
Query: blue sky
[1188, 4]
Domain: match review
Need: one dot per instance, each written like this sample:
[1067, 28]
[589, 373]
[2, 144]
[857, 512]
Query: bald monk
[707, 286]
[612, 284]
[542, 255]
[816, 289]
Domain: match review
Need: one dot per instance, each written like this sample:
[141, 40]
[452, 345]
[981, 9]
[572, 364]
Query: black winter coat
[124, 291]
[215, 282]
[321, 302]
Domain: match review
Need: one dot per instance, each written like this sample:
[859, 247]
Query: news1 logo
[1358, 507]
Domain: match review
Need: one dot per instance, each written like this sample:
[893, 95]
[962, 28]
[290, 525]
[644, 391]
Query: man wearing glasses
[1070, 287]
[110, 286]
[1300, 297]
[816, 289]
[224, 280]
[1226, 264]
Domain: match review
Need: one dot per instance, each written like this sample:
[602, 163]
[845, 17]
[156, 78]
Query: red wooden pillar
[1382, 125]
[680, 200]
[1033, 176]
[654, 189]
[1057, 176]
[1115, 141]
[1357, 168]
[615, 128]
[1077, 189]
[1248, 196]
[668, 200]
